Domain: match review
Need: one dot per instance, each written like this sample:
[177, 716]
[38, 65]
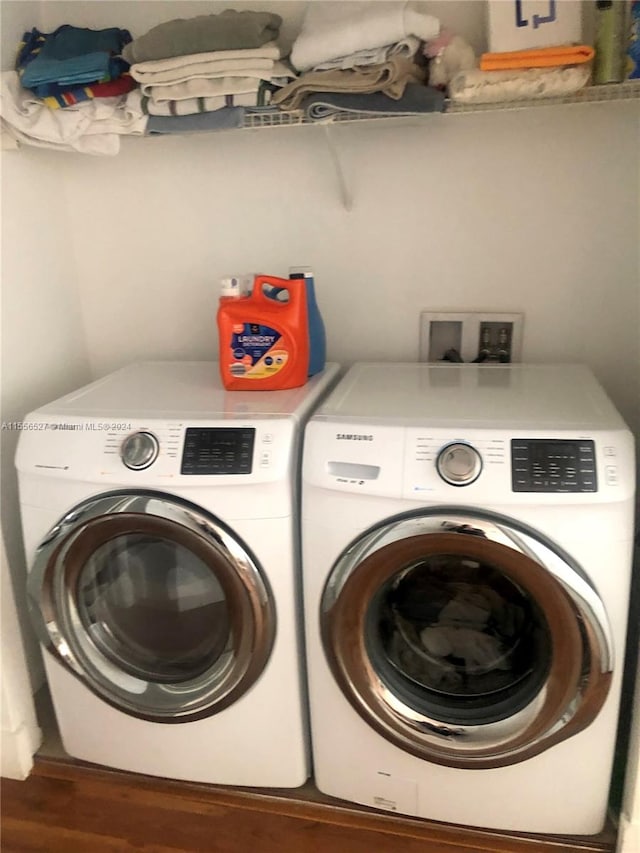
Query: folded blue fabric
[82, 69]
[222, 119]
[417, 99]
[117, 67]
[69, 56]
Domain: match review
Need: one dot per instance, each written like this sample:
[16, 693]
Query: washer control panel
[488, 466]
[544, 465]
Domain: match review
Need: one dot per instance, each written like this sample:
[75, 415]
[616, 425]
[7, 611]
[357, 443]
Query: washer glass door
[466, 639]
[156, 606]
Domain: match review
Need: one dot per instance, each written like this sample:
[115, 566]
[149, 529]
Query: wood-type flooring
[72, 807]
[69, 806]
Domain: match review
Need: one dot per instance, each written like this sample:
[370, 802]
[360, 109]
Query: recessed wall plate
[441, 331]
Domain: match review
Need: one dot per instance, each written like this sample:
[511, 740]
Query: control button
[139, 451]
[459, 464]
[609, 451]
[265, 459]
[267, 438]
[611, 475]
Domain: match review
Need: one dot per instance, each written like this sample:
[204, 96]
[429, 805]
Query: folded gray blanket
[222, 119]
[416, 100]
[230, 30]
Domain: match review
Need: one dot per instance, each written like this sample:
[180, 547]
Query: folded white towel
[373, 56]
[211, 87]
[193, 106]
[332, 30]
[177, 68]
[91, 127]
[491, 87]
[261, 69]
[202, 89]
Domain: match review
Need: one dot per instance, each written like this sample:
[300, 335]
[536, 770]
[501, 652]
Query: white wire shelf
[628, 91]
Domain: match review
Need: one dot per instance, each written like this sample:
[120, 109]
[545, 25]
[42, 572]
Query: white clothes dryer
[467, 536]
[161, 525]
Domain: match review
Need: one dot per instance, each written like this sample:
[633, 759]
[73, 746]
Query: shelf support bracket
[345, 195]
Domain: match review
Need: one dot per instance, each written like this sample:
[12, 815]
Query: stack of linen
[525, 74]
[72, 65]
[361, 57]
[203, 73]
[71, 91]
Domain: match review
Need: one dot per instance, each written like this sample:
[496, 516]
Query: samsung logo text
[353, 436]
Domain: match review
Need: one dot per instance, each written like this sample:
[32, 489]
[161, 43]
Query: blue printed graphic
[253, 342]
[536, 19]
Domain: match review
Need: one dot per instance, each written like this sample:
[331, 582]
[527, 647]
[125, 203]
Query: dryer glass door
[466, 639]
[158, 607]
[153, 607]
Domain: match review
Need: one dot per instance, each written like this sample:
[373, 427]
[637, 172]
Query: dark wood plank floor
[71, 807]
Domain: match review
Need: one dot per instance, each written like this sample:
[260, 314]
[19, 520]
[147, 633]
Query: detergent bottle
[315, 325]
[263, 341]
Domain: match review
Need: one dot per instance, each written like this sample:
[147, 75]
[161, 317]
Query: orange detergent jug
[264, 342]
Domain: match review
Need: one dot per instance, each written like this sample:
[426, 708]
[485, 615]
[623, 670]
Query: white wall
[466, 17]
[533, 211]
[19, 732]
[44, 351]
[629, 831]
[43, 354]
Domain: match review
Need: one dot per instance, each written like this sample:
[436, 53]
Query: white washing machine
[467, 534]
[161, 524]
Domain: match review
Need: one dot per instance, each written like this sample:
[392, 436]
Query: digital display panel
[218, 450]
[543, 465]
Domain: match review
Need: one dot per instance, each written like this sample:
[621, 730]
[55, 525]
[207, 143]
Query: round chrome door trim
[579, 675]
[53, 598]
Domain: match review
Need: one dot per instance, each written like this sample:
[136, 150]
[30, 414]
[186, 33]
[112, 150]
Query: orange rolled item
[543, 57]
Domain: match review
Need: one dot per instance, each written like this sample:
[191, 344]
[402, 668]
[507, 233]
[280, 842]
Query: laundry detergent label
[257, 351]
